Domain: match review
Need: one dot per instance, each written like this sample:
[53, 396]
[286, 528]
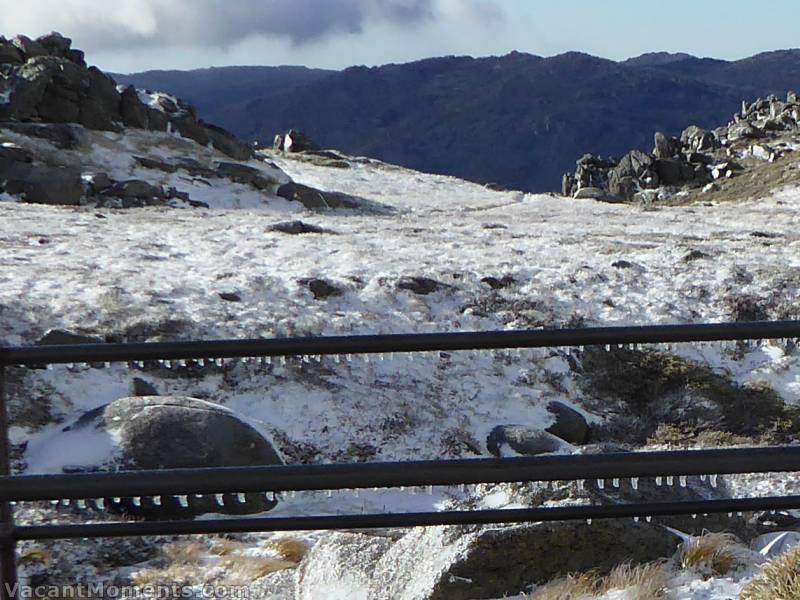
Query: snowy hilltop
[167, 237]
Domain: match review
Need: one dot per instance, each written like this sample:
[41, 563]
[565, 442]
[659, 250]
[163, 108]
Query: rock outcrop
[167, 432]
[45, 80]
[695, 159]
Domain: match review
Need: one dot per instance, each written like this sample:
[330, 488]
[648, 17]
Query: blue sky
[151, 34]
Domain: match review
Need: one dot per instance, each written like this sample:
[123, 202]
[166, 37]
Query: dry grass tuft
[290, 549]
[779, 579]
[225, 547]
[712, 554]
[184, 553]
[571, 587]
[643, 582]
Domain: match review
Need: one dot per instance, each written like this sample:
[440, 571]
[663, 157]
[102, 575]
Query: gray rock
[13, 153]
[590, 193]
[55, 44]
[673, 172]
[98, 182]
[133, 112]
[30, 48]
[62, 135]
[420, 285]
[9, 53]
[168, 432]
[42, 185]
[136, 188]
[524, 440]
[698, 139]
[744, 131]
[296, 228]
[226, 142]
[58, 337]
[156, 164]
[666, 146]
[314, 199]
[100, 108]
[321, 289]
[343, 562]
[230, 296]
[570, 425]
[247, 175]
[494, 562]
[142, 387]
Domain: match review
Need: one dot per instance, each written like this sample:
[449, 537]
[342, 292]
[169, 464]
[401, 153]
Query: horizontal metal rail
[419, 519]
[398, 474]
[376, 344]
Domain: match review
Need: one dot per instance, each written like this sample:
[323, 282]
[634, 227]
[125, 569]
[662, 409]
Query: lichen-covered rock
[493, 562]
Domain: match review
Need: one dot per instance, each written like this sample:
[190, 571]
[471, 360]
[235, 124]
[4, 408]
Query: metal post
[8, 559]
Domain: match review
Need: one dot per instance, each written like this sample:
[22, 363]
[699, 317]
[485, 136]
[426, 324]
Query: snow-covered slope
[157, 273]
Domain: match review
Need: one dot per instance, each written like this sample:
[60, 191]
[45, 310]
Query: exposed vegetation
[712, 554]
[643, 582]
[779, 579]
[643, 390]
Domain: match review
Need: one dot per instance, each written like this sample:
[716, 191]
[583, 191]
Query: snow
[109, 271]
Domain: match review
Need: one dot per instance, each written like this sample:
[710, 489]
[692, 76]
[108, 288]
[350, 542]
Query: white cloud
[97, 26]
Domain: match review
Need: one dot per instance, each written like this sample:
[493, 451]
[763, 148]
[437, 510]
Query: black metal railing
[17, 488]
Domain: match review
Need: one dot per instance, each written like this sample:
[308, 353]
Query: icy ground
[109, 272]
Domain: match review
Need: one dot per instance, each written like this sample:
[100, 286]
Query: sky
[136, 35]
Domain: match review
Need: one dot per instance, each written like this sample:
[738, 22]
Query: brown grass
[779, 579]
[224, 547]
[712, 554]
[644, 582]
[290, 549]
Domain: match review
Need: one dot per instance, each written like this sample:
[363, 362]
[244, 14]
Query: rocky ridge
[763, 131]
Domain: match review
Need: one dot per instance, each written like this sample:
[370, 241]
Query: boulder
[142, 387]
[226, 142]
[495, 562]
[55, 44]
[132, 110]
[62, 135]
[698, 139]
[419, 285]
[247, 175]
[13, 153]
[39, 184]
[621, 187]
[169, 432]
[58, 337]
[570, 425]
[666, 146]
[340, 565]
[314, 199]
[9, 53]
[30, 48]
[505, 440]
[321, 289]
[744, 131]
[296, 228]
[590, 193]
[297, 141]
[136, 188]
[673, 172]
[98, 182]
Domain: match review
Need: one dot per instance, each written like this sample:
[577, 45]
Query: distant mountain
[218, 87]
[519, 120]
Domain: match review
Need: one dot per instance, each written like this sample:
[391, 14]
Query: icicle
[219, 362]
[658, 481]
[588, 521]
[219, 499]
[615, 482]
[306, 359]
[199, 496]
[55, 502]
[381, 357]
[581, 484]
[182, 362]
[337, 359]
[712, 479]
[635, 483]
[348, 357]
[608, 347]
[100, 503]
[739, 514]
[730, 515]
[167, 364]
[694, 515]
[635, 519]
[183, 501]
[462, 487]
[670, 480]
[356, 493]
[648, 518]
[703, 477]
[66, 501]
[116, 499]
[140, 364]
[81, 504]
[329, 493]
[366, 358]
[601, 484]
[682, 481]
[137, 501]
[241, 497]
[157, 500]
[412, 490]
[430, 490]
[70, 365]
[283, 361]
